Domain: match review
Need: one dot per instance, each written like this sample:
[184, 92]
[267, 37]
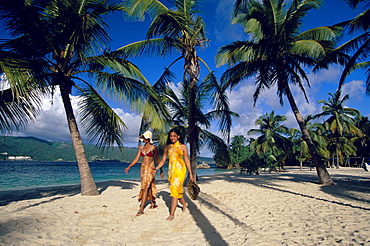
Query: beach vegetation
[340, 126]
[64, 44]
[300, 148]
[276, 52]
[238, 151]
[363, 143]
[271, 142]
[181, 29]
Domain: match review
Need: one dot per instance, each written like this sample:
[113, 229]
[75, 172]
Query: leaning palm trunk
[337, 152]
[322, 173]
[88, 186]
[191, 72]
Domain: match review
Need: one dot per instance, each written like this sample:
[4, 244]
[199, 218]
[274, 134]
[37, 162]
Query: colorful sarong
[176, 170]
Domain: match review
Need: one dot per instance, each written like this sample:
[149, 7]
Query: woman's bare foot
[170, 217]
[139, 213]
[184, 207]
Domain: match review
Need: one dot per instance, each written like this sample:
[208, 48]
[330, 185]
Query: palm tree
[341, 121]
[276, 53]
[178, 102]
[64, 43]
[271, 141]
[359, 45]
[180, 30]
[363, 143]
[318, 136]
[238, 150]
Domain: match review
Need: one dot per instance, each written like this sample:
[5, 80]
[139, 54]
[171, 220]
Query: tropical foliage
[340, 124]
[177, 103]
[276, 144]
[358, 47]
[61, 44]
[272, 142]
[182, 30]
[275, 51]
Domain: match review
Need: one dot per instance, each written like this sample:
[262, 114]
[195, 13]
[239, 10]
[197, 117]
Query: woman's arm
[156, 156]
[164, 157]
[187, 161]
[134, 161]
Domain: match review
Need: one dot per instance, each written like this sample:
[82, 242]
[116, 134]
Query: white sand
[287, 208]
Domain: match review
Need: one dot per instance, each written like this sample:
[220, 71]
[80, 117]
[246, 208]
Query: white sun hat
[146, 135]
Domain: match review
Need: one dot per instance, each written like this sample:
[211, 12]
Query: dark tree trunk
[191, 73]
[88, 186]
[322, 172]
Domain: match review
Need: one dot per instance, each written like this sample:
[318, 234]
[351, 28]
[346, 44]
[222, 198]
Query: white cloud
[51, 124]
[132, 122]
[355, 89]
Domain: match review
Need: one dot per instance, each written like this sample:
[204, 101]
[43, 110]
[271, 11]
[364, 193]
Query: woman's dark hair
[178, 132]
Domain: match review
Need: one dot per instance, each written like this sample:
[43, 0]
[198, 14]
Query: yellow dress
[147, 180]
[176, 170]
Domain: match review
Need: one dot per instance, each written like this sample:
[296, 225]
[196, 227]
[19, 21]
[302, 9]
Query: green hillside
[44, 150]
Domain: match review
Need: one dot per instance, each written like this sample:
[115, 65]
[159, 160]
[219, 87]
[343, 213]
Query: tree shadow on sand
[209, 231]
[55, 192]
[348, 187]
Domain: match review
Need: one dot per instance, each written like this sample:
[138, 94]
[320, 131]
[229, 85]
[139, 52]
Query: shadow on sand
[9, 196]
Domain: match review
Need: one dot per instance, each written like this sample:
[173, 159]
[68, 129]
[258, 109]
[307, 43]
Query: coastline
[17, 175]
[232, 209]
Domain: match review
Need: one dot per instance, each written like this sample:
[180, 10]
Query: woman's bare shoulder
[183, 147]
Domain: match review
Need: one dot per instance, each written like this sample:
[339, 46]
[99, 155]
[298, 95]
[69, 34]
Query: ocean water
[34, 174]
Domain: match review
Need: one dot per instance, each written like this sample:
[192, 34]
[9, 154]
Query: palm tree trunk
[337, 153]
[191, 72]
[322, 173]
[88, 186]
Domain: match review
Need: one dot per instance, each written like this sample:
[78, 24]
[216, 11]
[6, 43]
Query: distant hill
[44, 150]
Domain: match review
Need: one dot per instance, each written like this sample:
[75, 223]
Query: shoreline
[288, 208]
[40, 175]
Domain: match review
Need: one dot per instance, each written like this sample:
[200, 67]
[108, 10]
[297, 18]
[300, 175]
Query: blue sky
[52, 124]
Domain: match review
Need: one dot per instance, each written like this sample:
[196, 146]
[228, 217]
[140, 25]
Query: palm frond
[149, 47]
[136, 9]
[102, 124]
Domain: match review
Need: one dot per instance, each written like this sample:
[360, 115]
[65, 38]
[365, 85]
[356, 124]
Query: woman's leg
[143, 201]
[184, 204]
[174, 202]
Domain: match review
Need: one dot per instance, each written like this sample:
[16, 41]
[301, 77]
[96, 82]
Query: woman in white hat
[148, 152]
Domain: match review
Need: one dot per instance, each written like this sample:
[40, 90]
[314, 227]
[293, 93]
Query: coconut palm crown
[275, 53]
[181, 31]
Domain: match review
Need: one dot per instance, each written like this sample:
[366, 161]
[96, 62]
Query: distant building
[19, 158]
[3, 156]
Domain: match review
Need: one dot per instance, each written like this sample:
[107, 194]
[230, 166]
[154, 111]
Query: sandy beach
[287, 208]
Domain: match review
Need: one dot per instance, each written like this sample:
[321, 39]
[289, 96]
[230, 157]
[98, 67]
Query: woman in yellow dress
[148, 190]
[177, 153]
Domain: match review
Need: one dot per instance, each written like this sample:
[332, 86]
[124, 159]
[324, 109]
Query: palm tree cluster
[341, 135]
[276, 53]
[62, 46]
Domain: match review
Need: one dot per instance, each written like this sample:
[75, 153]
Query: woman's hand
[126, 170]
[192, 178]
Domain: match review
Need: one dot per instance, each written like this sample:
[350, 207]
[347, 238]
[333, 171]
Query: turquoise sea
[34, 174]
